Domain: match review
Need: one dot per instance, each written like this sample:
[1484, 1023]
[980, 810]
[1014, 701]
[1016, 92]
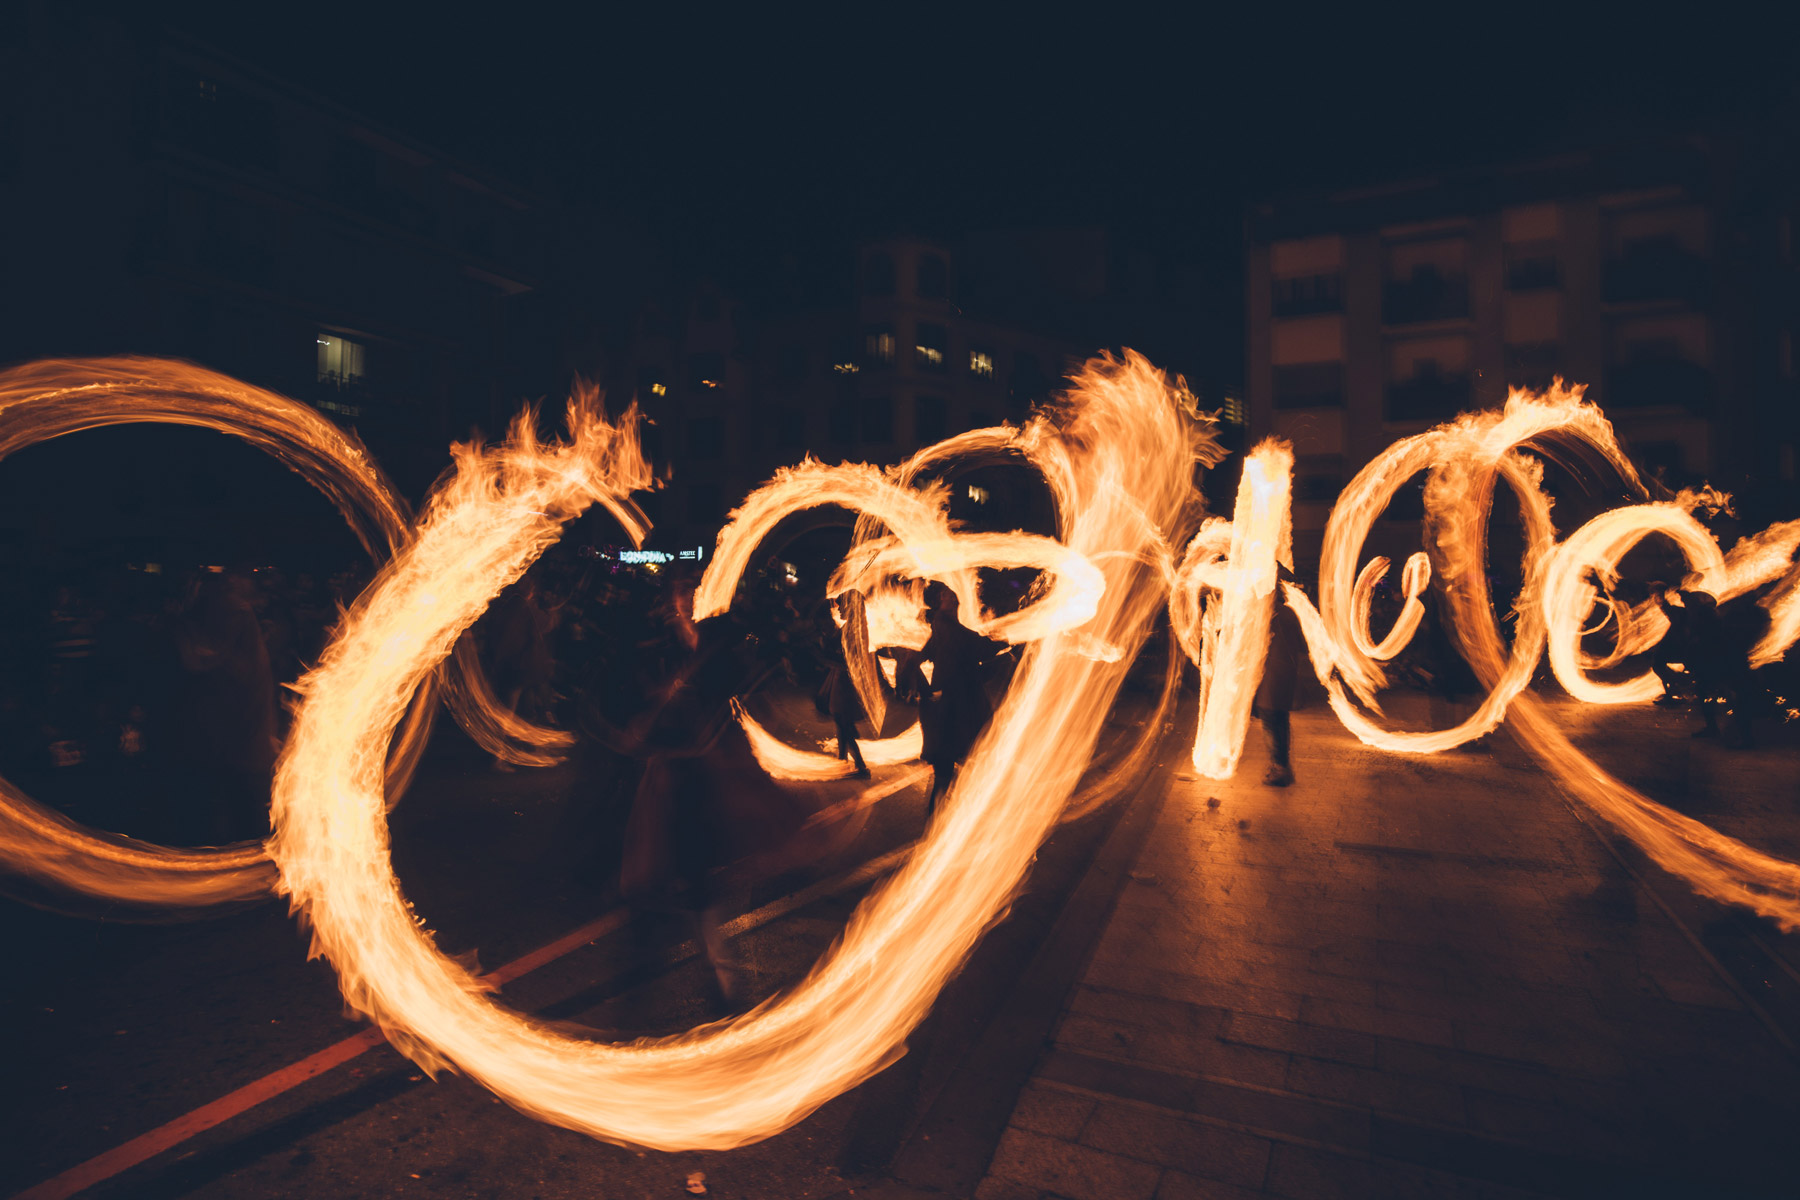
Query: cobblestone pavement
[1427, 977]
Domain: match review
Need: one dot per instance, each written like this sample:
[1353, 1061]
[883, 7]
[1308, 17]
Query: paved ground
[108, 1032]
[1426, 977]
[1403, 977]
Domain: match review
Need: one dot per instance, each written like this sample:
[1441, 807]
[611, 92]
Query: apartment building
[1660, 274]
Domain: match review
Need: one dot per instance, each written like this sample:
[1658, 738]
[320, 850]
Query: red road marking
[145, 1146]
[148, 1145]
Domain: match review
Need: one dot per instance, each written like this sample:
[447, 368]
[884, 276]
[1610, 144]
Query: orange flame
[725, 1085]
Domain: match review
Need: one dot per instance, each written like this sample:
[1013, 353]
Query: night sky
[739, 135]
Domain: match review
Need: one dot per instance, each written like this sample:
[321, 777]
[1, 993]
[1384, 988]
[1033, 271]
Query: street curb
[947, 1152]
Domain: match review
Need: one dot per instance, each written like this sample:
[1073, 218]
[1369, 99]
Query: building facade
[169, 200]
[1659, 274]
[894, 359]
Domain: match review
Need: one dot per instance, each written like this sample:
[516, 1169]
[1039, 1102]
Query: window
[1433, 389]
[933, 342]
[878, 420]
[878, 345]
[981, 362]
[1232, 411]
[340, 360]
[931, 419]
[1425, 281]
[706, 369]
[878, 274]
[1309, 385]
[1318, 480]
[934, 277]
[1305, 295]
[1532, 265]
[706, 438]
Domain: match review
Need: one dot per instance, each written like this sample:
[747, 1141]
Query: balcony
[1428, 398]
[1659, 270]
[1659, 383]
[1309, 385]
[1533, 274]
[1427, 296]
[1307, 295]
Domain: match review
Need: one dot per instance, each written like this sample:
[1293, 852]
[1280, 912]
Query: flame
[1261, 533]
[1415, 577]
[1119, 458]
[54, 397]
[1465, 460]
[1131, 460]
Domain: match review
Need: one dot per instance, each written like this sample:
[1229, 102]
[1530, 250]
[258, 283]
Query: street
[1419, 973]
[118, 1029]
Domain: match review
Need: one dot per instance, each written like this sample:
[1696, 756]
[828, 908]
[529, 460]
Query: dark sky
[742, 131]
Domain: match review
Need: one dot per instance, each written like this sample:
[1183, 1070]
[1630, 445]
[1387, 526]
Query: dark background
[737, 135]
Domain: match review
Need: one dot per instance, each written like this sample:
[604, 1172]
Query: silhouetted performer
[953, 704]
[223, 735]
[846, 711]
[1697, 637]
[1275, 694]
[1669, 657]
[705, 814]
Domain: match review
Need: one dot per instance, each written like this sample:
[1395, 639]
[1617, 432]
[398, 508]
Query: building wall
[1376, 314]
[169, 200]
[870, 379]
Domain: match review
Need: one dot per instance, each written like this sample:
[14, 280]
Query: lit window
[659, 389]
[340, 360]
[978, 494]
[1234, 409]
[845, 368]
[981, 363]
[931, 356]
[878, 341]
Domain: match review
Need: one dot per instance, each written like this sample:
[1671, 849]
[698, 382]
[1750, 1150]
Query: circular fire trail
[1119, 457]
[54, 856]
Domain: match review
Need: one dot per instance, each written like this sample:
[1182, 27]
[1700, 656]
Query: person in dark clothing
[704, 813]
[953, 704]
[1669, 658]
[1696, 637]
[846, 711]
[223, 732]
[1275, 694]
